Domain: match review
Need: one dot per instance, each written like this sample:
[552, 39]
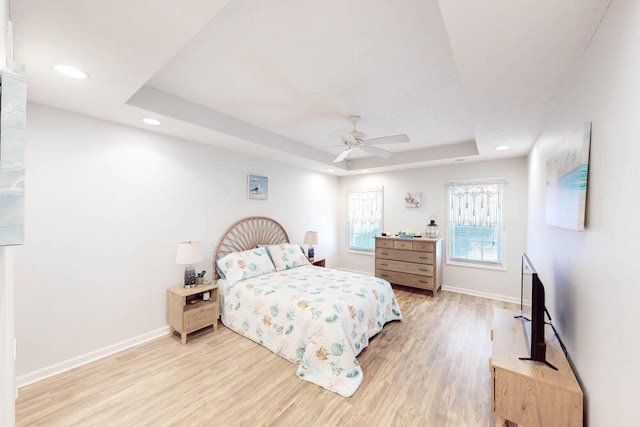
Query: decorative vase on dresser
[413, 262]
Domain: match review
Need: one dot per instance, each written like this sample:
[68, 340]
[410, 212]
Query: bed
[315, 317]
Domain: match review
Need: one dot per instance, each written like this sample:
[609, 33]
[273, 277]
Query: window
[365, 209]
[476, 226]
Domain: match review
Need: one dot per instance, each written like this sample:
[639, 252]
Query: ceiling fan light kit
[357, 140]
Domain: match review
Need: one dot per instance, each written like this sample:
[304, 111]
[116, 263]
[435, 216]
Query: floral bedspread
[317, 317]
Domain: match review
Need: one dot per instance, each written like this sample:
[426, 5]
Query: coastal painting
[258, 187]
[566, 183]
[13, 103]
[412, 199]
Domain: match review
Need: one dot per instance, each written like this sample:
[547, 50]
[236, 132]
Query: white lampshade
[188, 253]
[311, 238]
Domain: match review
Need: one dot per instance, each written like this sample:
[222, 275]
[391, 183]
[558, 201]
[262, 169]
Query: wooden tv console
[530, 393]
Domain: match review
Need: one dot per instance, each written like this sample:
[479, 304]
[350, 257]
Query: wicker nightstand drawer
[199, 317]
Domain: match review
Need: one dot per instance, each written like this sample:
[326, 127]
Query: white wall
[105, 207]
[7, 333]
[7, 365]
[431, 182]
[591, 277]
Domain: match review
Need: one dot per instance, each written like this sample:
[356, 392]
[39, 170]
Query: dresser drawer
[400, 255]
[402, 244]
[382, 243]
[200, 316]
[423, 246]
[404, 267]
[423, 282]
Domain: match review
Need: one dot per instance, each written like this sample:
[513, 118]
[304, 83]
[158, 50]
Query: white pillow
[287, 256]
[238, 266]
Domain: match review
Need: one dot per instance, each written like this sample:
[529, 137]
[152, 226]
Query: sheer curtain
[479, 203]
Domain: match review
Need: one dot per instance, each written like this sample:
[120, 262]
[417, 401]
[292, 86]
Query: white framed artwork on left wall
[257, 187]
[13, 106]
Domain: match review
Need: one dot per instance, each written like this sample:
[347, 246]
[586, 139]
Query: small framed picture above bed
[257, 187]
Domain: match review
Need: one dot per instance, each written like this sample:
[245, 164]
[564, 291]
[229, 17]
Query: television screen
[533, 316]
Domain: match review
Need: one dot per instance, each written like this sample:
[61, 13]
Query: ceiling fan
[357, 140]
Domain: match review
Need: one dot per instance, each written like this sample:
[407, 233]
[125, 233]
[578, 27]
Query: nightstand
[318, 262]
[185, 317]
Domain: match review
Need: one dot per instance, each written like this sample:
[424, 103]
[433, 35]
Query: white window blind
[476, 226]
[365, 208]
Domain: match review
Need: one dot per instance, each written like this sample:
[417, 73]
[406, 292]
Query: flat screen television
[534, 321]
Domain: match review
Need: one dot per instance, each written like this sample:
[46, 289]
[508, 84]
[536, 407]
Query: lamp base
[311, 252]
[189, 276]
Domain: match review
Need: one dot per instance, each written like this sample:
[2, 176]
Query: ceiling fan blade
[343, 155]
[377, 151]
[393, 139]
[325, 147]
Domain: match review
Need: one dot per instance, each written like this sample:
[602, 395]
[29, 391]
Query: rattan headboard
[247, 233]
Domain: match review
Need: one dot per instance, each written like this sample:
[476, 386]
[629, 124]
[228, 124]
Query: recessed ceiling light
[330, 170]
[69, 71]
[365, 171]
[150, 121]
[502, 147]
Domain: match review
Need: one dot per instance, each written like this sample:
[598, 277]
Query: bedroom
[103, 194]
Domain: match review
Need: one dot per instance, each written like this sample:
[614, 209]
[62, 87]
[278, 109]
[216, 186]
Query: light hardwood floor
[431, 369]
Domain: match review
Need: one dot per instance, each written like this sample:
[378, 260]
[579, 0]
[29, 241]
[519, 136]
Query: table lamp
[311, 238]
[189, 253]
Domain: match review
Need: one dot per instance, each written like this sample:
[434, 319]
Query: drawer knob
[423, 281]
[386, 265]
[384, 253]
[423, 269]
[423, 257]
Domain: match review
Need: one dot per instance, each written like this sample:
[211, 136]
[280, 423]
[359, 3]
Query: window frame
[449, 226]
[362, 250]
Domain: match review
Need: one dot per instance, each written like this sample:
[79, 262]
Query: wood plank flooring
[431, 369]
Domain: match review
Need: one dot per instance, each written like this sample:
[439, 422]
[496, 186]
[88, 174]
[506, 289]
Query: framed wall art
[412, 199]
[258, 187]
[566, 183]
[13, 104]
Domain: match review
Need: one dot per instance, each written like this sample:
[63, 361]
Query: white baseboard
[481, 294]
[67, 365]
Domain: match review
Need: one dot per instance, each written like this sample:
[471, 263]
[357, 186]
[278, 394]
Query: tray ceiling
[280, 79]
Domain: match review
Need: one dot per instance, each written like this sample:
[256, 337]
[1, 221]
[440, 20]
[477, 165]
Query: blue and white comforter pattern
[317, 317]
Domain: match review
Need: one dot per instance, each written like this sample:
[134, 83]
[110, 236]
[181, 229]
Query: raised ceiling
[280, 79]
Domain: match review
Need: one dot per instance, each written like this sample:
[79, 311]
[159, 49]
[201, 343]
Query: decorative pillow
[287, 256]
[242, 265]
[220, 272]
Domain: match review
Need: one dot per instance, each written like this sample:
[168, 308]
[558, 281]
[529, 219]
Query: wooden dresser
[413, 262]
